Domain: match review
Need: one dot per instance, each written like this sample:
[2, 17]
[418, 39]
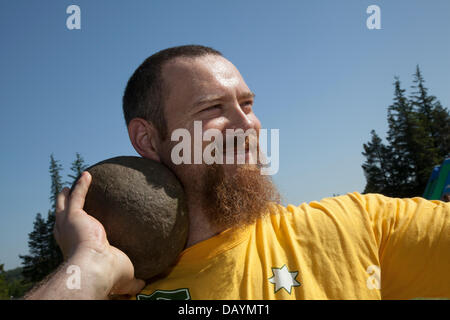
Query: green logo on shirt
[177, 294]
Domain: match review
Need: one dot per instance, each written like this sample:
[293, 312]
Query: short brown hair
[144, 93]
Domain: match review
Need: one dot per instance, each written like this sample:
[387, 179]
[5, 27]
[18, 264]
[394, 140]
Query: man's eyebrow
[205, 99]
[247, 95]
[211, 98]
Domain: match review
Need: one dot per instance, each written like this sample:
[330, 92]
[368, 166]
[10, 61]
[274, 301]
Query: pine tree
[77, 168]
[45, 255]
[441, 121]
[418, 139]
[54, 253]
[55, 256]
[402, 137]
[435, 120]
[377, 167]
[56, 180]
[35, 264]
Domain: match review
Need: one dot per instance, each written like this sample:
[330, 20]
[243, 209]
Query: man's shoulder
[350, 209]
[340, 201]
[327, 223]
[330, 208]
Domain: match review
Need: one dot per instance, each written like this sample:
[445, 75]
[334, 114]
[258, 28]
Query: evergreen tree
[402, 136]
[377, 167]
[435, 119]
[54, 253]
[45, 255]
[55, 256]
[56, 181]
[441, 121]
[418, 139]
[34, 264]
[77, 168]
[428, 155]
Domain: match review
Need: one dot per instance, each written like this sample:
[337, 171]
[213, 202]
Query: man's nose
[239, 119]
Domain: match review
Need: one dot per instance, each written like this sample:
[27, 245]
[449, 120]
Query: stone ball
[141, 204]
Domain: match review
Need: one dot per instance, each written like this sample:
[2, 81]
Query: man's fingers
[132, 287]
[61, 200]
[67, 197]
[136, 286]
[62, 203]
[79, 192]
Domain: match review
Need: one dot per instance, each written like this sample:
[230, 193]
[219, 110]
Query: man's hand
[82, 239]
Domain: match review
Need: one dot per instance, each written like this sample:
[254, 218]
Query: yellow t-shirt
[347, 247]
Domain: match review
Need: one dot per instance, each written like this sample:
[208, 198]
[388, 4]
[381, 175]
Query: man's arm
[413, 236]
[93, 268]
[85, 281]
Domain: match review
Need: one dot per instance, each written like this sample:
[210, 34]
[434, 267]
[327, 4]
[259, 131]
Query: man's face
[208, 89]
[211, 90]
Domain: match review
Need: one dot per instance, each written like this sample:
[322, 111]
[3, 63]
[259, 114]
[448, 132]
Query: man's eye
[215, 107]
[247, 104]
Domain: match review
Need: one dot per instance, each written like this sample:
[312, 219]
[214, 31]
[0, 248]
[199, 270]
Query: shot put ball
[142, 207]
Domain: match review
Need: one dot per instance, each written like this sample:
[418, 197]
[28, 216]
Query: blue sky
[319, 74]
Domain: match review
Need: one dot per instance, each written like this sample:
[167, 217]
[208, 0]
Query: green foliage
[12, 285]
[35, 265]
[418, 139]
[435, 119]
[55, 176]
[4, 290]
[44, 254]
[378, 166]
[77, 168]
[16, 284]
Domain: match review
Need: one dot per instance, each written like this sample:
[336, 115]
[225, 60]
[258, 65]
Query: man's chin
[233, 168]
[236, 195]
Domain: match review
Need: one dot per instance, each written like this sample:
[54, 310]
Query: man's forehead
[195, 66]
[200, 75]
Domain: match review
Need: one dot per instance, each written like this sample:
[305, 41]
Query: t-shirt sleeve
[413, 237]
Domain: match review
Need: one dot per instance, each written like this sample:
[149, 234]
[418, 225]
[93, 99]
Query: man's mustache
[239, 148]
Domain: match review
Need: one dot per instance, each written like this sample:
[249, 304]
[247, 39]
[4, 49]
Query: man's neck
[199, 227]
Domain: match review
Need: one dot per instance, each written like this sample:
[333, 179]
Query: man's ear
[144, 138]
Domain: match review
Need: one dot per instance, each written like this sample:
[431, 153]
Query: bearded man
[242, 243]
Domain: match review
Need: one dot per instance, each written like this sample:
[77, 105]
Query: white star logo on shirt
[283, 278]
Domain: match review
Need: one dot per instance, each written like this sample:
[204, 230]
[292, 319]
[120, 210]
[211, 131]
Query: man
[242, 244]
